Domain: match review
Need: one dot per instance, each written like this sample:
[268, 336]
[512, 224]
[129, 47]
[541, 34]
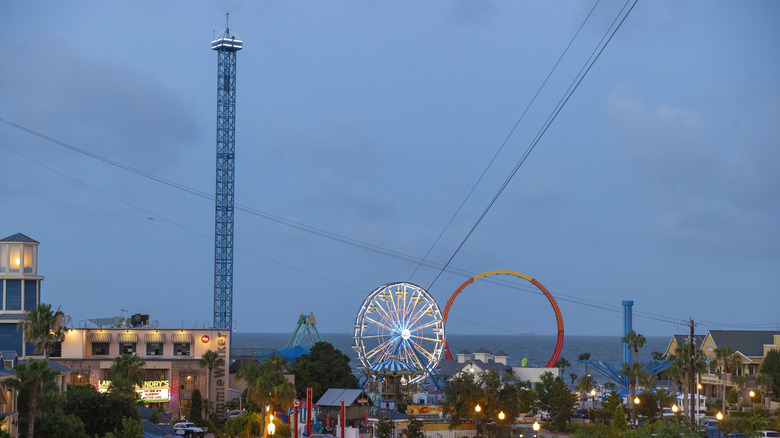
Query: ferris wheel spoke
[422, 312]
[427, 324]
[425, 338]
[378, 323]
[385, 313]
[379, 348]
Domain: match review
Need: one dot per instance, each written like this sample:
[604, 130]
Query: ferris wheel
[400, 321]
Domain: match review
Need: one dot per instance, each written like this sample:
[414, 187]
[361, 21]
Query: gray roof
[18, 237]
[464, 351]
[482, 350]
[333, 397]
[747, 342]
[501, 353]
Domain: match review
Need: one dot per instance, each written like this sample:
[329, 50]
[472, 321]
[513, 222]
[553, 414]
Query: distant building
[483, 360]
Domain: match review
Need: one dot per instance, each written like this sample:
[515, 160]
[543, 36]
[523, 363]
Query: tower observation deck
[226, 46]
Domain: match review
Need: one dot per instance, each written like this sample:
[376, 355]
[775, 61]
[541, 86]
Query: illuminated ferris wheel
[400, 322]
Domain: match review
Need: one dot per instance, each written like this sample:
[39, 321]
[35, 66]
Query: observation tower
[226, 45]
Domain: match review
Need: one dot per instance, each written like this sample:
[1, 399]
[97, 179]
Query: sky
[372, 123]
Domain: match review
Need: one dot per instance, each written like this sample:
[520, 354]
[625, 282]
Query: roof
[393, 365]
[290, 354]
[501, 353]
[333, 397]
[18, 237]
[747, 342]
[152, 430]
[464, 351]
[392, 414]
[482, 350]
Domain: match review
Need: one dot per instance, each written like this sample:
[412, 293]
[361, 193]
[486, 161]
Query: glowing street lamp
[536, 428]
[719, 416]
[752, 394]
[501, 415]
[636, 400]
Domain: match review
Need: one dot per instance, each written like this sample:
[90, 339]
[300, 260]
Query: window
[154, 375]
[185, 407]
[80, 378]
[3, 258]
[154, 348]
[181, 349]
[29, 259]
[188, 380]
[100, 349]
[16, 258]
[127, 347]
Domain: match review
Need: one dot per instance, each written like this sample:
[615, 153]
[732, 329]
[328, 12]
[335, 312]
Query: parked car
[188, 430]
[737, 435]
[713, 433]
[769, 433]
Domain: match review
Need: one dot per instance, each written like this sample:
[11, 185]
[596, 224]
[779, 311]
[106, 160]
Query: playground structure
[399, 334]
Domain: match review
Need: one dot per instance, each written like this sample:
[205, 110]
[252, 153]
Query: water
[536, 348]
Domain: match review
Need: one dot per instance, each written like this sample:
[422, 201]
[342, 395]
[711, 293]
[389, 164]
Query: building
[172, 371]
[86, 354]
[20, 286]
[749, 346]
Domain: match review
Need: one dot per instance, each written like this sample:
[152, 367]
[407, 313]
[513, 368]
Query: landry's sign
[423, 410]
[149, 391]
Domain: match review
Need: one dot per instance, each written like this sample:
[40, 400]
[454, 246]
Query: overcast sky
[372, 121]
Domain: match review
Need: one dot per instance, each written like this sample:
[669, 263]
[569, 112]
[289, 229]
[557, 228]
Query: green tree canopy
[771, 368]
[127, 371]
[414, 430]
[324, 367]
[30, 378]
[210, 360]
[44, 327]
[561, 404]
[100, 412]
[384, 428]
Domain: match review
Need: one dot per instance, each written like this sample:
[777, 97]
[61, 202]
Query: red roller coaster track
[558, 318]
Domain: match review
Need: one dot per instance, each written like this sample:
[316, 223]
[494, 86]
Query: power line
[575, 84]
[506, 140]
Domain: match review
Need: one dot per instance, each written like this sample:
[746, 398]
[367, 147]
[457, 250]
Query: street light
[719, 416]
[536, 428]
[752, 394]
[501, 415]
[477, 409]
[593, 395]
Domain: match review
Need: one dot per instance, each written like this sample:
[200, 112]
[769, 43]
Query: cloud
[707, 179]
[95, 102]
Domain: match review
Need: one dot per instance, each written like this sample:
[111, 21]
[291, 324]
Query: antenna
[227, 22]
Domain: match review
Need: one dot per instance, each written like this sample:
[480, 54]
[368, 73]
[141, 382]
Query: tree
[648, 406]
[573, 378]
[131, 428]
[635, 342]
[127, 371]
[59, 424]
[210, 360]
[561, 405]
[619, 425]
[611, 401]
[414, 430]
[682, 361]
[583, 357]
[44, 327]
[324, 367]
[723, 355]
[384, 428]
[267, 386]
[29, 378]
[562, 364]
[100, 412]
[634, 372]
[196, 407]
[771, 368]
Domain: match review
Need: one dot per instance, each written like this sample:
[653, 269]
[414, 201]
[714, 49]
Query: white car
[188, 430]
[769, 433]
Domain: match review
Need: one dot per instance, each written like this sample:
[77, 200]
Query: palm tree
[127, 371]
[634, 372]
[267, 386]
[724, 356]
[44, 327]
[573, 378]
[582, 357]
[562, 364]
[635, 341]
[30, 377]
[682, 360]
[210, 359]
[765, 381]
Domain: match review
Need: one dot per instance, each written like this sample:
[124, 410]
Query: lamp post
[477, 410]
[674, 411]
[536, 428]
[593, 396]
[752, 394]
[719, 416]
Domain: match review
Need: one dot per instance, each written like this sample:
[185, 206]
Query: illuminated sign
[204, 339]
[149, 391]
